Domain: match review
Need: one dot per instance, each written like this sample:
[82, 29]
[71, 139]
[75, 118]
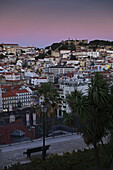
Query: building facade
[14, 97]
[57, 70]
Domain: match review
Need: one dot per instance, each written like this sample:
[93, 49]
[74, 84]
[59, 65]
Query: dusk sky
[42, 22]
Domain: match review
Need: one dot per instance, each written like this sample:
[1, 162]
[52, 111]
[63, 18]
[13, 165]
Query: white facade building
[64, 90]
[56, 70]
[30, 74]
[36, 81]
[15, 96]
[11, 76]
[93, 54]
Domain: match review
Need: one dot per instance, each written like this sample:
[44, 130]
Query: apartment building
[11, 76]
[68, 89]
[57, 70]
[36, 81]
[14, 96]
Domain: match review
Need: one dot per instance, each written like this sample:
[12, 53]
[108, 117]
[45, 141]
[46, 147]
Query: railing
[19, 131]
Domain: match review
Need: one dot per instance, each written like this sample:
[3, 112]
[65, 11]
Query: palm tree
[68, 119]
[93, 110]
[109, 157]
[112, 100]
[98, 91]
[98, 95]
[50, 96]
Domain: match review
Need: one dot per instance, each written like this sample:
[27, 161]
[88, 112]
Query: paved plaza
[14, 153]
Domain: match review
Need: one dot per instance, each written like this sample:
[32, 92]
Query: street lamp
[43, 110]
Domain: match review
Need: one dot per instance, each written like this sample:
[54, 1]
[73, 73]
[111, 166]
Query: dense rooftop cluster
[69, 63]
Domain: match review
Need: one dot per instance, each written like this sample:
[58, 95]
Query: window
[62, 96]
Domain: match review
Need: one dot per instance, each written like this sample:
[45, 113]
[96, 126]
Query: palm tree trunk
[95, 146]
[96, 155]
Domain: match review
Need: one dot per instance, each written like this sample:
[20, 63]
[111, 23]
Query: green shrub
[80, 160]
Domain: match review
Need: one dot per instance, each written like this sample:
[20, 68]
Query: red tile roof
[22, 91]
[8, 94]
[8, 87]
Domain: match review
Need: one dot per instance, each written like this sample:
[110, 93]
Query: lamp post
[43, 110]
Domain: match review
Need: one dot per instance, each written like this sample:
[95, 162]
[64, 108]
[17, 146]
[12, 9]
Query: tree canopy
[2, 56]
[93, 110]
[51, 97]
[100, 42]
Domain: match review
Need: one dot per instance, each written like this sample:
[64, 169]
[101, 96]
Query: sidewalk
[14, 153]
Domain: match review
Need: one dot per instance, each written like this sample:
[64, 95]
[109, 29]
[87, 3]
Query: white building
[73, 62]
[15, 96]
[11, 76]
[30, 74]
[64, 90]
[36, 81]
[65, 51]
[56, 70]
[93, 54]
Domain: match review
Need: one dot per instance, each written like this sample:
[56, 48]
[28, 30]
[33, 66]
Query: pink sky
[43, 25]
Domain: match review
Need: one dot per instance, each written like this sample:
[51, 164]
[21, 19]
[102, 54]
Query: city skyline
[43, 22]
